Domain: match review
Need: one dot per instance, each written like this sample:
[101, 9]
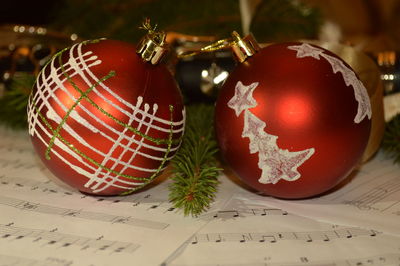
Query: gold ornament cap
[152, 47]
[245, 47]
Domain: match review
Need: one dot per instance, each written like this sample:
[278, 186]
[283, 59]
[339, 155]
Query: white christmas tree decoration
[349, 77]
[275, 163]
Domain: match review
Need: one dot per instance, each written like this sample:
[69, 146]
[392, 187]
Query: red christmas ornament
[102, 119]
[292, 120]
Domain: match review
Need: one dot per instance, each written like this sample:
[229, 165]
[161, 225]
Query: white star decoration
[305, 50]
[275, 163]
[349, 77]
[243, 98]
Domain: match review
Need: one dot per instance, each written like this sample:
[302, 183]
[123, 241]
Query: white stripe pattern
[48, 87]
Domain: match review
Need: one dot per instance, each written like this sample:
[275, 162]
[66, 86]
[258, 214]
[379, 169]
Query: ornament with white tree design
[292, 120]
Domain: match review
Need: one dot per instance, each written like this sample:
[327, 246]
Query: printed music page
[370, 197]
[285, 239]
[43, 222]
[250, 232]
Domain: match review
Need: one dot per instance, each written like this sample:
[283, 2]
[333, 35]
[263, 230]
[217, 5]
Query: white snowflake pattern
[243, 98]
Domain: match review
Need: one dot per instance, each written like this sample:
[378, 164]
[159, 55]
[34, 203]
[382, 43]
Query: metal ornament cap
[245, 47]
[151, 49]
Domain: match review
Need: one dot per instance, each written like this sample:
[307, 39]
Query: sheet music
[44, 222]
[245, 238]
[344, 253]
[253, 230]
[369, 198]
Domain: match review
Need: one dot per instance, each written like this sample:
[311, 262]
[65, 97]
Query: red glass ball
[293, 120]
[104, 121]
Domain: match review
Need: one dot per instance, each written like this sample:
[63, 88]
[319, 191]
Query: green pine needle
[14, 101]
[391, 139]
[195, 171]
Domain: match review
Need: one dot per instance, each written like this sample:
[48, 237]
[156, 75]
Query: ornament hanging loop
[152, 47]
[242, 48]
[216, 46]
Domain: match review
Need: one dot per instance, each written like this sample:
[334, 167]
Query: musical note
[326, 238]
[194, 240]
[266, 238]
[244, 239]
[214, 238]
[170, 209]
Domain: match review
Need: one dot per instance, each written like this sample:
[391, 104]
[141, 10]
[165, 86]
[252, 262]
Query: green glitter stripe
[134, 130]
[63, 121]
[71, 146]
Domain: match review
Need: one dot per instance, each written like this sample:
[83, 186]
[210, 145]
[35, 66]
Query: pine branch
[391, 139]
[15, 100]
[195, 171]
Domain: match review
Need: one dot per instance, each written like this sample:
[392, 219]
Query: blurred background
[31, 31]
[373, 24]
